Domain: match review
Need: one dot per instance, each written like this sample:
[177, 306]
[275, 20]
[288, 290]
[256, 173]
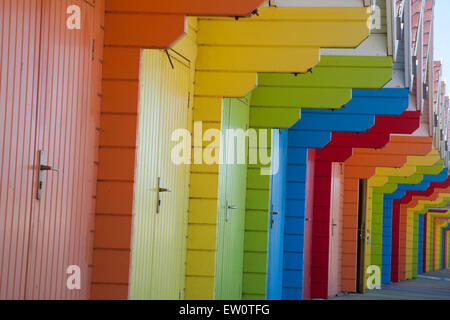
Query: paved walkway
[430, 286]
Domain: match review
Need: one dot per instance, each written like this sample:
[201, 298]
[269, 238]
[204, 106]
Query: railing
[400, 14]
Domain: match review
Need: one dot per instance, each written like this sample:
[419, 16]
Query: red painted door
[333, 260]
[54, 110]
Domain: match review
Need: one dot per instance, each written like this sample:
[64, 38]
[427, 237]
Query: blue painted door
[276, 214]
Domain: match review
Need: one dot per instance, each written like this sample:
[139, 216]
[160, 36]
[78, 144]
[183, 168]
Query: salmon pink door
[333, 262]
[49, 149]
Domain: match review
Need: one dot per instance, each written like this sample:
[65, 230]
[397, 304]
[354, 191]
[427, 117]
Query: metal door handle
[48, 168]
[42, 167]
[228, 208]
[158, 199]
[273, 213]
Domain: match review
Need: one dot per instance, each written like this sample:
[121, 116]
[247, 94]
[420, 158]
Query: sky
[442, 36]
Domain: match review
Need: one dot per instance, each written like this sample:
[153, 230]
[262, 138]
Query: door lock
[42, 168]
[158, 200]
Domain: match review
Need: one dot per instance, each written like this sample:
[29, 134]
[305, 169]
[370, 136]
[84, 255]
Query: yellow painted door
[161, 185]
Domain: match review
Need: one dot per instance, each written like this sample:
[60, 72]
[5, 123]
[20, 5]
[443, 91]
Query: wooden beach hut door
[277, 215]
[161, 190]
[335, 209]
[231, 203]
[49, 114]
[362, 208]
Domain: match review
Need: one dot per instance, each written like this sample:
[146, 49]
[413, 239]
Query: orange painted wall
[362, 165]
[187, 7]
[158, 24]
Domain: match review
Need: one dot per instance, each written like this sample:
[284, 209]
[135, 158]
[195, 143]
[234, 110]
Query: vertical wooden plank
[19, 50]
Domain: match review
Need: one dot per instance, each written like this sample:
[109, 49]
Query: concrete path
[430, 286]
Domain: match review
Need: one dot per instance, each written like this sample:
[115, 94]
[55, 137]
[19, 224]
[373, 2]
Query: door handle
[333, 225]
[42, 167]
[48, 168]
[273, 213]
[160, 190]
[228, 208]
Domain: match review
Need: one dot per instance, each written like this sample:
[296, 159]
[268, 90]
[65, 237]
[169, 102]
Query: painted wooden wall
[275, 103]
[422, 207]
[129, 22]
[399, 208]
[392, 208]
[332, 152]
[416, 178]
[303, 136]
[362, 165]
[232, 73]
[386, 180]
[128, 28]
[213, 60]
[354, 172]
[116, 203]
[277, 100]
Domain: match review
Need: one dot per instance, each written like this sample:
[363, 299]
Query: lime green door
[161, 184]
[231, 203]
